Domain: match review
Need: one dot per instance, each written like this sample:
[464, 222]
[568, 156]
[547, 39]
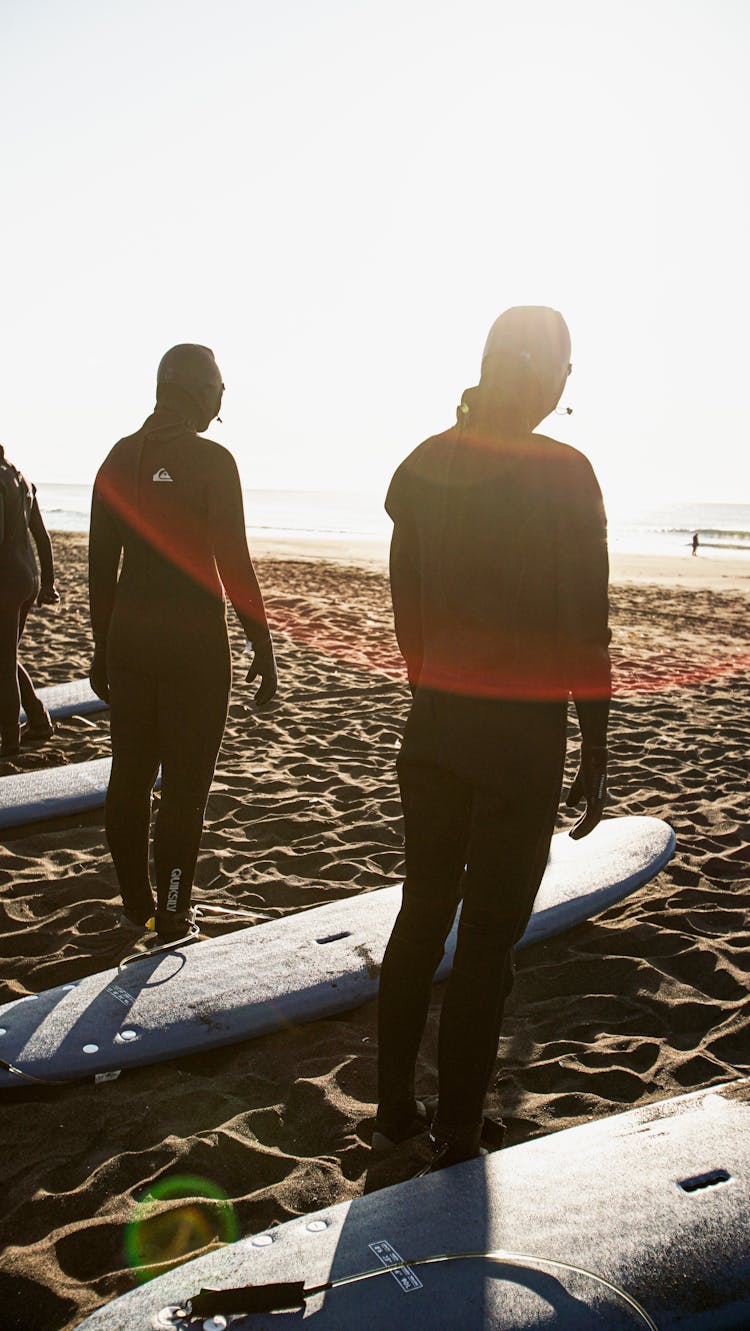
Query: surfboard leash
[158, 949]
[230, 913]
[292, 1295]
[29, 1076]
[192, 936]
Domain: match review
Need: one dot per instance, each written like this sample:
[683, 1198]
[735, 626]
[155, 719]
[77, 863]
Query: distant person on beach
[695, 543]
[170, 503]
[20, 587]
[499, 575]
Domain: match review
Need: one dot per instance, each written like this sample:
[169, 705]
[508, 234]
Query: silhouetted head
[189, 381]
[525, 364]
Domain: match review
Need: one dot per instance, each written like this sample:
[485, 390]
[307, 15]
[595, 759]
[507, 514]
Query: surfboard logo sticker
[404, 1277]
[162, 475]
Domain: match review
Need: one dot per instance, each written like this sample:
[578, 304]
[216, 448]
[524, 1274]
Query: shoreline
[720, 573]
[705, 572]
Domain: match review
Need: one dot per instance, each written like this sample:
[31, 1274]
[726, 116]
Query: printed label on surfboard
[122, 995]
[404, 1277]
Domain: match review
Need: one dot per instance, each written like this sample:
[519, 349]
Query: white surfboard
[635, 1221]
[53, 792]
[307, 965]
[76, 698]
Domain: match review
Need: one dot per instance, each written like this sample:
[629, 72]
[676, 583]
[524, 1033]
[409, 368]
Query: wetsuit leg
[507, 852]
[10, 700]
[192, 714]
[135, 763]
[437, 814]
[19, 585]
[29, 700]
[32, 704]
[502, 835]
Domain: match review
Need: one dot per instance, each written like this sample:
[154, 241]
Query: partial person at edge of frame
[499, 575]
[170, 502]
[20, 587]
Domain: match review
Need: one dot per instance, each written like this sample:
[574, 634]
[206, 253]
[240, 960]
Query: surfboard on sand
[56, 792]
[307, 965]
[76, 698]
[635, 1220]
[53, 792]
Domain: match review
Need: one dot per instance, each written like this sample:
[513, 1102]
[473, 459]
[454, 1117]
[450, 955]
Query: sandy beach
[646, 1001]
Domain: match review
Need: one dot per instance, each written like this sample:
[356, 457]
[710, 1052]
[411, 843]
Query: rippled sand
[648, 1000]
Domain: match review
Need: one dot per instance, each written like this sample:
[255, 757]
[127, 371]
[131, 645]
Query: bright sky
[339, 196]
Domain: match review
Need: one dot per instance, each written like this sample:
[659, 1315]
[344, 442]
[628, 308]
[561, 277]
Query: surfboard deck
[654, 1201]
[53, 792]
[304, 966]
[76, 698]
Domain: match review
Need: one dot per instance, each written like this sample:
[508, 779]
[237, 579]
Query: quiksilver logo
[174, 888]
[162, 475]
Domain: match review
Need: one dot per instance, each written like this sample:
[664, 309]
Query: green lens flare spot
[176, 1219]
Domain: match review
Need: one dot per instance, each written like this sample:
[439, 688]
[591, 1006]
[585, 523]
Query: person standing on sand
[499, 575]
[170, 502]
[20, 587]
[695, 543]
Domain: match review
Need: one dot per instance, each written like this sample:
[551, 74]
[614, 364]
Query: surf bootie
[157, 941]
[133, 929]
[174, 928]
[390, 1133]
[453, 1146]
[38, 727]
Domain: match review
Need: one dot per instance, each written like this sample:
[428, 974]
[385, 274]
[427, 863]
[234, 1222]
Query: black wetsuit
[170, 501]
[19, 588]
[499, 583]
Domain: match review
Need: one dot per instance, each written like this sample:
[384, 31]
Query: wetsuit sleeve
[43, 545]
[105, 548]
[406, 593]
[233, 562]
[585, 602]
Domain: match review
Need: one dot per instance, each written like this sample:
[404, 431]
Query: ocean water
[723, 529]
[293, 514]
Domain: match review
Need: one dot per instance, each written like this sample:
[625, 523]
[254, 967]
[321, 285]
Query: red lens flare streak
[174, 540]
[345, 645]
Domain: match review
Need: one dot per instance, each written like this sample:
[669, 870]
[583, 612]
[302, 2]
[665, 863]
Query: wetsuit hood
[525, 365]
[189, 382]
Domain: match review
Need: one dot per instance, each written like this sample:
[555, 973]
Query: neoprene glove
[48, 595]
[590, 783]
[98, 674]
[263, 664]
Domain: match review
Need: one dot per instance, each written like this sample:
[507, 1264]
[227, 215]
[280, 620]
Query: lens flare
[176, 1219]
[345, 638]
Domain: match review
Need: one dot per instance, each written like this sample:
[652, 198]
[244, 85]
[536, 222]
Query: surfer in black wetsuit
[170, 503]
[499, 583]
[20, 587]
